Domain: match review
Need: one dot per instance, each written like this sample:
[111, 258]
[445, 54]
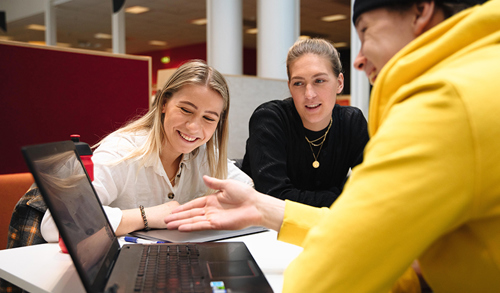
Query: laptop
[105, 267]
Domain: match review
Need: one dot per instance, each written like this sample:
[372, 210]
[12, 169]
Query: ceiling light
[157, 43]
[199, 21]
[335, 17]
[340, 44]
[251, 31]
[103, 36]
[36, 27]
[136, 9]
[304, 37]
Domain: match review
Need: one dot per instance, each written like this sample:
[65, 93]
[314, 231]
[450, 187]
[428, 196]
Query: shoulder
[120, 144]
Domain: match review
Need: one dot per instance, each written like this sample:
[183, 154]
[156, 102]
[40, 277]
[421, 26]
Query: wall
[247, 93]
[49, 93]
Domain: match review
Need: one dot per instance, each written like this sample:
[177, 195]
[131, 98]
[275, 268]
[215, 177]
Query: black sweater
[279, 159]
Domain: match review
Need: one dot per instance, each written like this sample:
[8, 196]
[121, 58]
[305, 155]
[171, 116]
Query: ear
[340, 80]
[163, 108]
[424, 15]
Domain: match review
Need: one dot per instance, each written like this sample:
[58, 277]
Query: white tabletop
[43, 268]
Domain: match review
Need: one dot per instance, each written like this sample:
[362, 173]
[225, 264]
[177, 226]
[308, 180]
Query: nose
[360, 61]
[193, 125]
[310, 93]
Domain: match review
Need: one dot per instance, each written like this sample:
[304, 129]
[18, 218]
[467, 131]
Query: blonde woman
[146, 168]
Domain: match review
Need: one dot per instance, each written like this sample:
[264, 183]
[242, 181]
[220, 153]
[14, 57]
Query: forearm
[131, 221]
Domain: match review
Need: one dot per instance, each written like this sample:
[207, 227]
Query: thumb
[213, 183]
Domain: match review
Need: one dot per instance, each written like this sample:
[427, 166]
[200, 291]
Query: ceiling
[167, 20]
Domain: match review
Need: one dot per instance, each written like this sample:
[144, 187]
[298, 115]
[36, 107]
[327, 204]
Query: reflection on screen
[75, 206]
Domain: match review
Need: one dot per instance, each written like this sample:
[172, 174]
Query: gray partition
[247, 93]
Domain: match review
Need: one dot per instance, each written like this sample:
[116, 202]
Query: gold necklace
[315, 164]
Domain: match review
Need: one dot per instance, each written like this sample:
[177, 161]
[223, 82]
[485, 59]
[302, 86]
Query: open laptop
[105, 267]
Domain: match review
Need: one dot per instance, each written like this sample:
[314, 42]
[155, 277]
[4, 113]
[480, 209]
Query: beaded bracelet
[143, 213]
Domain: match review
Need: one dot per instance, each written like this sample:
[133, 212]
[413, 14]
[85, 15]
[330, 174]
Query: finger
[198, 226]
[178, 223]
[213, 183]
[188, 214]
[195, 203]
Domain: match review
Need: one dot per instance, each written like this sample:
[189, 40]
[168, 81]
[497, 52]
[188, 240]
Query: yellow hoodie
[429, 185]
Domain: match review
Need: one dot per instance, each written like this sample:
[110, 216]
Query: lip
[312, 107]
[186, 137]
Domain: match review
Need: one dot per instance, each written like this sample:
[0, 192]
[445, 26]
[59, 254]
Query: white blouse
[128, 184]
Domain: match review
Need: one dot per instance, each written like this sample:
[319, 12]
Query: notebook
[105, 267]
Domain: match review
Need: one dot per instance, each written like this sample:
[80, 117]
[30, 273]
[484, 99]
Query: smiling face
[191, 118]
[382, 34]
[314, 88]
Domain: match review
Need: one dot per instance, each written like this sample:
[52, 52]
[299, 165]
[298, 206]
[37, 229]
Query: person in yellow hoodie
[429, 185]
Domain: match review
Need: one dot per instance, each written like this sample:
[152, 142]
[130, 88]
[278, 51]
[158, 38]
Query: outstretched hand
[232, 207]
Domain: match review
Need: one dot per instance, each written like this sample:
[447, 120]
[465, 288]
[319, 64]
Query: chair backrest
[12, 188]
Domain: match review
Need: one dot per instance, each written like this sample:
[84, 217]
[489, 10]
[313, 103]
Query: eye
[297, 83]
[185, 110]
[320, 80]
[209, 119]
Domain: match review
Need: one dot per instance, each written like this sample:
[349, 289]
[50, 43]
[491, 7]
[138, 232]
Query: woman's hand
[132, 219]
[234, 206]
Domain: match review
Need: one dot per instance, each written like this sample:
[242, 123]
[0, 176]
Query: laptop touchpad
[227, 269]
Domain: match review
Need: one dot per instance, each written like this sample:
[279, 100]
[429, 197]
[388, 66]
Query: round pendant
[315, 164]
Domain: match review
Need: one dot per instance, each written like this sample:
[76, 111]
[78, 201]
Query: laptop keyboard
[169, 268]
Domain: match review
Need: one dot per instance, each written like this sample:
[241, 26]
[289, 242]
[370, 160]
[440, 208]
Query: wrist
[144, 217]
[271, 210]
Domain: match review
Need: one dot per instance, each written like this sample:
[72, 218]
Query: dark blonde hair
[320, 47]
[195, 72]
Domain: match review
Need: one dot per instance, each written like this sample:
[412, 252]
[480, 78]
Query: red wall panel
[48, 94]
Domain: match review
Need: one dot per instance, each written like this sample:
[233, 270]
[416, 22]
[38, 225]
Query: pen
[139, 240]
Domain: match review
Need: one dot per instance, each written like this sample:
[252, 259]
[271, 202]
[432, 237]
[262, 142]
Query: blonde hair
[193, 72]
[320, 47]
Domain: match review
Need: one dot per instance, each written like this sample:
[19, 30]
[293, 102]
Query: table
[43, 268]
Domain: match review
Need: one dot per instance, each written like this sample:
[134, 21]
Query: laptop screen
[69, 194]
